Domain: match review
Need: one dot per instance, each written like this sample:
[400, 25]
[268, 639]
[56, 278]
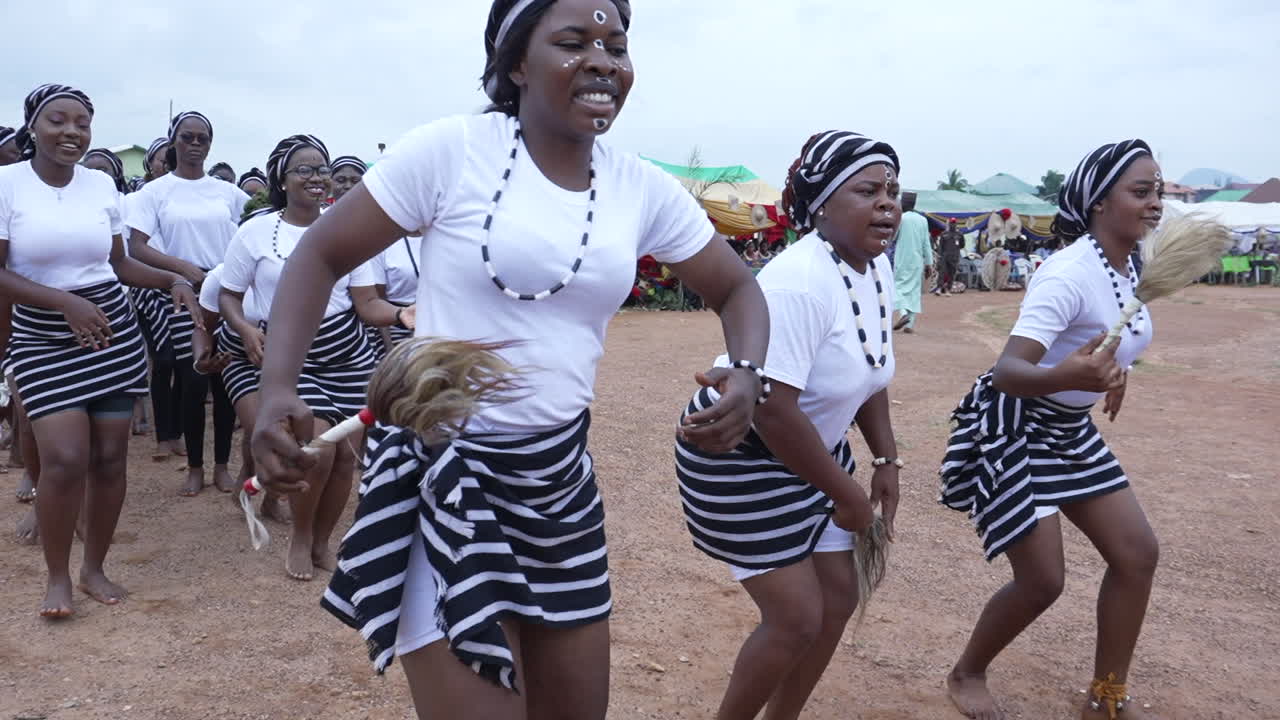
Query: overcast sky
[982, 86]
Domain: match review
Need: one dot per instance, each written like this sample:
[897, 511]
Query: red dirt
[215, 630]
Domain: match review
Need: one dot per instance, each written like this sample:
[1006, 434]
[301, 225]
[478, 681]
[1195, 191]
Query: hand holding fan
[429, 385]
[1181, 250]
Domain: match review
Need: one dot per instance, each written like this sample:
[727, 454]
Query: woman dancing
[197, 215]
[76, 352]
[1025, 450]
[762, 507]
[339, 361]
[536, 227]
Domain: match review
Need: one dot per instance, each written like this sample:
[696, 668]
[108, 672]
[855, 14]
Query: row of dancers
[479, 559]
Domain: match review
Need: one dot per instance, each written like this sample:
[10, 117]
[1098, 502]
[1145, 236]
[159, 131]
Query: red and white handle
[333, 435]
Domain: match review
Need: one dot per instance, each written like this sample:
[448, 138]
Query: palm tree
[955, 181]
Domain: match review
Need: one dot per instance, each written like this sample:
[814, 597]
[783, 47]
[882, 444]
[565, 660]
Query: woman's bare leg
[566, 671]
[63, 441]
[104, 497]
[305, 507]
[445, 689]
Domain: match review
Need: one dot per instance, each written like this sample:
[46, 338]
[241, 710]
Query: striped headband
[157, 147]
[830, 159]
[350, 161]
[285, 150]
[221, 166]
[136, 183]
[117, 167]
[1090, 182]
[252, 174]
[505, 16]
[7, 134]
[180, 117]
[36, 102]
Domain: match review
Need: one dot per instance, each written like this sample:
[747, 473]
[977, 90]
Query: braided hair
[113, 161]
[37, 100]
[278, 162]
[506, 40]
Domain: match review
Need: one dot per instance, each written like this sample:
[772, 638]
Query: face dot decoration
[601, 123]
[572, 61]
[599, 44]
[601, 18]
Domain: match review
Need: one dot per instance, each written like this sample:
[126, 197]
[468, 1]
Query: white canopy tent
[1246, 220]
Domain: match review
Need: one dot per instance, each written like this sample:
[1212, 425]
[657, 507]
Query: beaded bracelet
[765, 387]
[882, 461]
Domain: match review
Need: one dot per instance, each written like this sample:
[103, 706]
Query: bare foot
[26, 489]
[222, 479]
[29, 529]
[57, 599]
[161, 453]
[298, 562]
[324, 558]
[971, 697]
[176, 447]
[276, 508]
[194, 484]
[98, 587]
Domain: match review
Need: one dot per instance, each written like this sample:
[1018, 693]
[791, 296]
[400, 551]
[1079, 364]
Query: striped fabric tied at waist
[1007, 455]
[512, 525]
[335, 374]
[240, 376]
[154, 308]
[745, 507]
[53, 373]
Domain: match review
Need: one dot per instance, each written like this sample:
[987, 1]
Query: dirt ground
[216, 630]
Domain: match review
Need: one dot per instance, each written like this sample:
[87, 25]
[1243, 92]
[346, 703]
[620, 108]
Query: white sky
[983, 86]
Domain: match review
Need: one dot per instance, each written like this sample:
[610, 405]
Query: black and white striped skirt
[335, 374]
[1009, 455]
[182, 326]
[153, 308]
[53, 373]
[240, 376]
[745, 507]
[511, 525]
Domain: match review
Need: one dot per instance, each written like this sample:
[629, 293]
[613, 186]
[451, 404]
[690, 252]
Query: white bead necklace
[857, 313]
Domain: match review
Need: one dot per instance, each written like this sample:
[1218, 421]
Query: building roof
[1227, 196]
[1267, 192]
[1003, 184]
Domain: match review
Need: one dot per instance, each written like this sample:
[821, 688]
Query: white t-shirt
[398, 267]
[1069, 302]
[441, 179]
[196, 217]
[253, 263]
[59, 237]
[212, 288]
[131, 207]
[813, 339]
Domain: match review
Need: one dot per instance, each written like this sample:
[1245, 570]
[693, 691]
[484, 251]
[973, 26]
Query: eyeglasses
[194, 138]
[306, 172]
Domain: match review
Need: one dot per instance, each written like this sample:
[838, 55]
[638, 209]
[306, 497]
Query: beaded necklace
[1115, 285]
[857, 313]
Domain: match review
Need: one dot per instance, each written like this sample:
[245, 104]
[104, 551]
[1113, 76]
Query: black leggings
[166, 397]
[195, 388]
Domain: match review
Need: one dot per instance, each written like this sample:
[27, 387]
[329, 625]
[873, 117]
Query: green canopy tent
[1003, 184]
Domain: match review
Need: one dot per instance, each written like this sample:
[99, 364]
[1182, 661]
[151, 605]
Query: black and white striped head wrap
[826, 162]
[7, 134]
[157, 147]
[117, 167]
[350, 161]
[37, 100]
[279, 162]
[136, 183]
[180, 117]
[508, 20]
[252, 174]
[1090, 182]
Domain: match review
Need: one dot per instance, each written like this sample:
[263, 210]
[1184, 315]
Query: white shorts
[417, 628]
[1044, 511]
[832, 539]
